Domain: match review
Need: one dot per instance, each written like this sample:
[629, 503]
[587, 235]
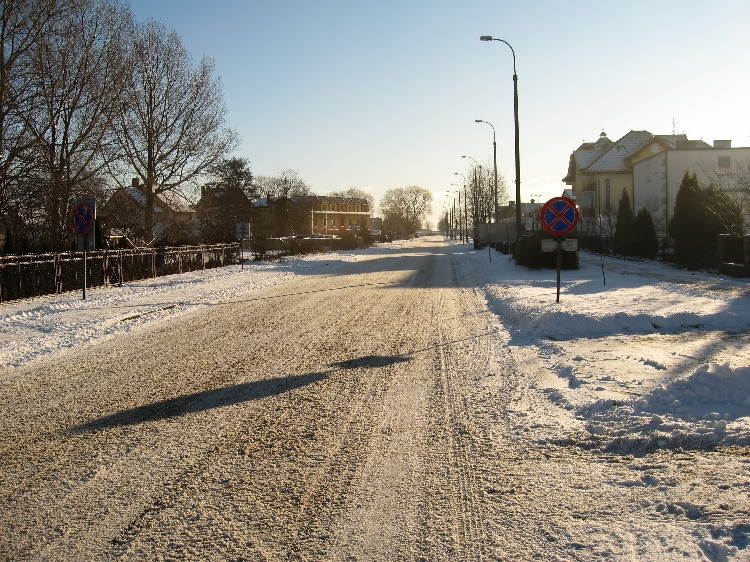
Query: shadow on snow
[201, 401]
[228, 395]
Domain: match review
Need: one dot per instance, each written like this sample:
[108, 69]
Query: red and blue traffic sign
[559, 216]
[83, 218]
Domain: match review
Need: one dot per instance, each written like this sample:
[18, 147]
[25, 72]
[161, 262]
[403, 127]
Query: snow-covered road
[409, 402]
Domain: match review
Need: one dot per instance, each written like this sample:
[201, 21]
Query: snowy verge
[636, 356]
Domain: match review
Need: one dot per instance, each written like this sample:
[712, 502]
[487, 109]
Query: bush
[623, 240]
[646, 241]
[700, 216]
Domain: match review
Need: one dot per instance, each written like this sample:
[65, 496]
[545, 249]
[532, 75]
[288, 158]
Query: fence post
[84, 274]
[105, 267]
[58, 273]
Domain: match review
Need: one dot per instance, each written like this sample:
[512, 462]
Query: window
[724, 163]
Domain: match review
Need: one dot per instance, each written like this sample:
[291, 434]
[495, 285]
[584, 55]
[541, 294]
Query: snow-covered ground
[641, 354]
[635, 355]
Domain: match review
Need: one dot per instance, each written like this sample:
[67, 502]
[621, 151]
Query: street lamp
[452, 216]
[465, 229]
[515, 116]
[477, 188]
[494, 159]
[460, 228]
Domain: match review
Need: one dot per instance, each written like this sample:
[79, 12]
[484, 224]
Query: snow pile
[690, 413]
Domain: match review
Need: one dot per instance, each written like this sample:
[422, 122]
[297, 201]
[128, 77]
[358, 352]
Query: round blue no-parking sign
[559, 216]
[83, 218]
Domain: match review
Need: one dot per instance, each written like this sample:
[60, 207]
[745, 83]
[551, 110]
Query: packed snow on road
[643, 369]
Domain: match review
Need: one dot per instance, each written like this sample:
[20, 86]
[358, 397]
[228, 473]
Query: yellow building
[598, 173]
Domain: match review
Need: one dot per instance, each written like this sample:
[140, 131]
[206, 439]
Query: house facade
[582, 184]
[310, 215]
[220, 210]
[650, 169]
[124, 215]
[277, 218]
[338, 216]
[658, 176]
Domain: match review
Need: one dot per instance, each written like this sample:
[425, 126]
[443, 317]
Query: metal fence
[35, 275]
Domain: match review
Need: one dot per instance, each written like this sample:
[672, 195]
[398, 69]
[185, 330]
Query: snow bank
[690, 413]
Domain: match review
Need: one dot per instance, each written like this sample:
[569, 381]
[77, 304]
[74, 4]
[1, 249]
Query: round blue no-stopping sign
[559, 216]
[83, 218]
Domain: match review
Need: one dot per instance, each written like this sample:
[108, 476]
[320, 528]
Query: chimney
[722, 144]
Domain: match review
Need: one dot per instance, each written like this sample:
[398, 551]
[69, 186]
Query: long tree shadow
[200, 401]
[371, 362]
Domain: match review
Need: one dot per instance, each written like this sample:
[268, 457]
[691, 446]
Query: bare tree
[287, 184]
[736, 184]
[171, 125]
[225, 201]
[356, 193]
[78, 71]
[481, 191]
[233, 173]
[607, 221]
[405, 208]
[22, 25]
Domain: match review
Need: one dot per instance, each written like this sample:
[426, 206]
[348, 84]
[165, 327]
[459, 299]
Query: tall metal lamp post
[475, 207]
[494, 159]
[451, 216]
[465, 227]
[460, 229]
[515, 116]
[455, 219]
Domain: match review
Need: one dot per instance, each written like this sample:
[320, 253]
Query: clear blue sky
[384, 93]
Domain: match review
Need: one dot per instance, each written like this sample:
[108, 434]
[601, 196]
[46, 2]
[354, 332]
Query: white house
[657, 178]
[650, 168]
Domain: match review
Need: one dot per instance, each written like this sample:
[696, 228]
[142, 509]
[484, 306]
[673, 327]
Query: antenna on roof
[673, 127]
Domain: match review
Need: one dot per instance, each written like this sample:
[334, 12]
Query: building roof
[304, 199]
[328, 199]
[167, 199]
[585, 154]
[614, 160]
[174, 201]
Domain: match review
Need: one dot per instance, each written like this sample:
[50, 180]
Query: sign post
[559, 217]
[84, 217]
